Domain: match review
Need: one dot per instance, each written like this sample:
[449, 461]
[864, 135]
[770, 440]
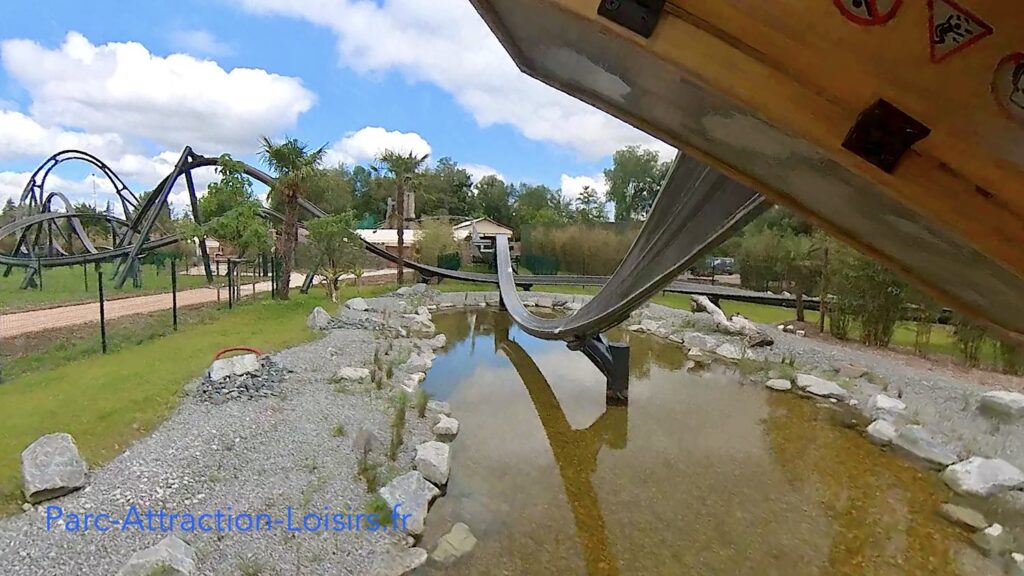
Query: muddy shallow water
[700, 474]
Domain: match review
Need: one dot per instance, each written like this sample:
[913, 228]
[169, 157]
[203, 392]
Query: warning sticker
[1008, 85]
[953, 28]
[868, 12]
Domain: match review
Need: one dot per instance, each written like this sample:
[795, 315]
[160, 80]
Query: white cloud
[573, 185]
[200, 42]
[23, 137]
[366, 144]
[173, 101]
[445, 43]
[478, 171]
[13, 183]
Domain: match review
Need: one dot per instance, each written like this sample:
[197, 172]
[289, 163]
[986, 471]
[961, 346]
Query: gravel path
[258, 456]
[52, 318]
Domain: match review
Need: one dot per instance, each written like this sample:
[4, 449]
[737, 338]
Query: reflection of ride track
[575, 452]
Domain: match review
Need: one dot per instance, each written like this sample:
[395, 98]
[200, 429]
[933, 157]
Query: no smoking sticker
[953, 28]
[1008, 86]
[868, 12]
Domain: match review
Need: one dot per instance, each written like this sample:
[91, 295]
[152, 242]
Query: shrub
[1011, 358]
[421, 402]
[398, 425]
[586, 249]
[434, 240]
[868, 292]
[970, 339]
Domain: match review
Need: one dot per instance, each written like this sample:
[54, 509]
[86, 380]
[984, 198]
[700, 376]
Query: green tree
[337, 248]
[294, 164]
[537, 204]
[803, 266]
[445, 190]
[590, 206]
[494, 199]
[633, 182]
[233, 188]
[402, 170]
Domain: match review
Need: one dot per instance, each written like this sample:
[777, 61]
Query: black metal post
[231, 284]
[174, 293]
[85, 276]
[618, 377]
[39, 268]
[103, 312]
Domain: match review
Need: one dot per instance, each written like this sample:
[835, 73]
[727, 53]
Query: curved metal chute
[696, 209]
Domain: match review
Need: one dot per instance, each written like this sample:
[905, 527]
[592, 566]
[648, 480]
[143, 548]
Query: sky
[135, 82]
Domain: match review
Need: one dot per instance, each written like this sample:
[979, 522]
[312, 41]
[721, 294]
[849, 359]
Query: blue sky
[136, 81]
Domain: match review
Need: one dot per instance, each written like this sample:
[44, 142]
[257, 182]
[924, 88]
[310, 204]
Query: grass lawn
[108, 401]
[63, 286]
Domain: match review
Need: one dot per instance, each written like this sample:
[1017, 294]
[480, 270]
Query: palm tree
[293, 163]
[402, 168]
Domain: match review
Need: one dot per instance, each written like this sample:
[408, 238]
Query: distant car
[721, 265]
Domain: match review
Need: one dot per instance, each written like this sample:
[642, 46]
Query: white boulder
[357, 304]
[413, 382]
[412, 494]
[963, 516]
[995, 540]
[51, 467]
[821, 387]
[350, 374]
[1016, 563]
[458, 542]
[883, 407]
[318, 319]
[446, 426]
[170, 557]
[729, 350]
[780, 384]
[433, 460]
[234, 366]
[437, 342]
[881, 432]
[401, 562]
[979, 476]
[1004, 403]
[917, 441]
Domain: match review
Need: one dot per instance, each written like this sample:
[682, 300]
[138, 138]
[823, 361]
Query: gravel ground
[250, 455]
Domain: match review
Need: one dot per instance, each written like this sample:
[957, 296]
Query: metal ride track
[696, 208]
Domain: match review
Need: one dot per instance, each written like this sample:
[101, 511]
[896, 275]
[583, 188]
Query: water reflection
[575, 451]
[702, 475]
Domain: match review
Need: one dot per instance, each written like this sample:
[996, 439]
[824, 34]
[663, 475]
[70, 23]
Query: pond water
[700, 474]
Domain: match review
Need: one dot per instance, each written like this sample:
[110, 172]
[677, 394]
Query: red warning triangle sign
[953, 28]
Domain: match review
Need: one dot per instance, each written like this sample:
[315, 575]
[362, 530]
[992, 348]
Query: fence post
[273, 275]
[231, 286]
[39, 266]
[85, 276]
[174, 292]
[103, 312]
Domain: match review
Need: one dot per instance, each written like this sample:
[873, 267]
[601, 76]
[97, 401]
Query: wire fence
[74, 312]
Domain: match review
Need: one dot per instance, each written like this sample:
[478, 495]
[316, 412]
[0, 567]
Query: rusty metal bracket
[640, 16]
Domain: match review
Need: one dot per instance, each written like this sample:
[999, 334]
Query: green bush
[452, 261]
[970, 340]
[434, 240]
[868, 292]
[1011, 358]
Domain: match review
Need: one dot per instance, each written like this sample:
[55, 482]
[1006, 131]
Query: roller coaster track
[696, 209]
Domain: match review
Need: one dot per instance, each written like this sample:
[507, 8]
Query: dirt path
[12, 325]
